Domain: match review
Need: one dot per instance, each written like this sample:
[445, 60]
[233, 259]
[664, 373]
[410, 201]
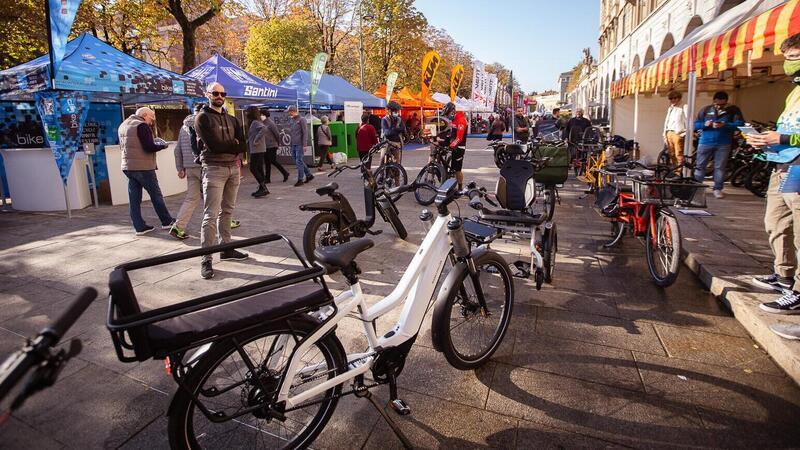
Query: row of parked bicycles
[261, 365]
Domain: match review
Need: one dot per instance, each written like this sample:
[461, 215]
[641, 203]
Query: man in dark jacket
[521, 126]
[718, 123]
[393, 129]
[298, 130]
[223, 140]
[573, 132]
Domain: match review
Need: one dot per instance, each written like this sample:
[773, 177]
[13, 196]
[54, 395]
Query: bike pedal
[400, 407]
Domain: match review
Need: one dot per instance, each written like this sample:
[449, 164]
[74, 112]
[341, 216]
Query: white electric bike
[276, 383]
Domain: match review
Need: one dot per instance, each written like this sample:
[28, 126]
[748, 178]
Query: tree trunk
[189, 49]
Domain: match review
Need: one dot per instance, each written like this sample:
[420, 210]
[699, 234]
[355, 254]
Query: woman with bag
[324, 142]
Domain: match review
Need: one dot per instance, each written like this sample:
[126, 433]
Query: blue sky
[538, 39]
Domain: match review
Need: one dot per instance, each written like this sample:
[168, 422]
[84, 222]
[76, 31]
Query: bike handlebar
[61, 325]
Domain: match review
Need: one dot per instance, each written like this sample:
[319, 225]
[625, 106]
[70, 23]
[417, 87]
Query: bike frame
[414, 292]
[641, 216]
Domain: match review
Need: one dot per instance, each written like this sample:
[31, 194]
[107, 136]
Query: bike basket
[557, 168]
[678, 192]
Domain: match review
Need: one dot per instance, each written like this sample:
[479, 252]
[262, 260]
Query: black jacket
[222, 137]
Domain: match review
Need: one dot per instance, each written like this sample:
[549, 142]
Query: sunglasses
[218, 94]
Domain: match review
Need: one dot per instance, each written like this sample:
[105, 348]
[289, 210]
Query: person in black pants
[257, 149]
[272, 138]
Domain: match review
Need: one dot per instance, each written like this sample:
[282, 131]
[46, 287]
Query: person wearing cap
[298, 130]
[456, 140]
[675, 127]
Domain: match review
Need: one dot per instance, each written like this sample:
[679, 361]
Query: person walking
[496, 130]
[782, 216]
[324, 142]
[223, 140]
[257, 148]
[191, 171]
[573, 132]
[139, 150]
[366, 138]
[675, 128]
[299, 133]
[272, 141]
[718, 121]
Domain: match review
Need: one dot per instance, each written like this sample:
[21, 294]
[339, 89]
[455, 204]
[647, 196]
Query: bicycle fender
[448, 290]
[331, 206]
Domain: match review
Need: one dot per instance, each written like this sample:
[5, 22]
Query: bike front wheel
[390, 176]
[245, 371]
[468, 332]
[550, 202]
[429, 178]
[664, 249]
[389, 213]
[322, 231]
[549, 250]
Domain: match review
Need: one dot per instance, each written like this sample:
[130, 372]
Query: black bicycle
[336, 221]
[40, 355]
[390, 174]
[433, 174]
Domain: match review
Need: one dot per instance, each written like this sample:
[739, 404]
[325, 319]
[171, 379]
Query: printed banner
[478, 73]
[62, 14]
[63, 114]
[492, 93]
[456, 77]
[317, 69]
[430, 64]
[390, 81]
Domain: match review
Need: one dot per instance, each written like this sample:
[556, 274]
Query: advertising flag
[61, 14]
[317, 69]
[478, 73]
[430, 64]
[492, 91]
[63, 115]
[390, 81]
[456, 77]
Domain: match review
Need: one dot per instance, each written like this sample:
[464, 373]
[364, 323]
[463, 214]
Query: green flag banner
[317, 69]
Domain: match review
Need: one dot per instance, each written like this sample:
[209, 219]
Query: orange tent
[408, 99]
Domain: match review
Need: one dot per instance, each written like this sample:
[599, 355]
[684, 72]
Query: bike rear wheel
[740, 175]
[550, 201]
[549, 250]
[467, 334]
[389, 213]
[225, 383]
[663, 249]
[390, 176]
[322, 231]
[429, 178]
[617, 231]
[757, 180]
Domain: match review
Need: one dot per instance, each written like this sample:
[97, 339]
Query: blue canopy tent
[91, 65]
[333, 91]
[241, 84]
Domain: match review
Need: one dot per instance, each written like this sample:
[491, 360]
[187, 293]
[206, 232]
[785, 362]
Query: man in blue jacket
[718, 123]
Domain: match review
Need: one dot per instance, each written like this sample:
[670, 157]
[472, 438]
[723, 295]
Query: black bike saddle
[328, 189]
[337, 256]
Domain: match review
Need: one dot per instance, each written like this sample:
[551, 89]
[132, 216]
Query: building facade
[635, 32]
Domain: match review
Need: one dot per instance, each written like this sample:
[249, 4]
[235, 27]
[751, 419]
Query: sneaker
[299, 183]
[233, 255]
[178, 233]
[786, 330]
[309, 178]
[285, 177]
[774, 282]
[261, 192]
[718, 194]
[789, 303]
[168, 226]
[147, 229]
[235, 224]
[206, 271]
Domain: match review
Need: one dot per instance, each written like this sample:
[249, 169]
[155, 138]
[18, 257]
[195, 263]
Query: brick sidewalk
[600, 358]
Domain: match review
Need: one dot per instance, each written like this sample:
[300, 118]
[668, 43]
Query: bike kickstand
[397, 432]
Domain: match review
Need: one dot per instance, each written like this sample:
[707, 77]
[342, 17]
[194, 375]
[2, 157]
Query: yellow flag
[456, 76]
[430, 63]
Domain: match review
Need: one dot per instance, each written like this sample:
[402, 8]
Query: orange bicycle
[639, 199]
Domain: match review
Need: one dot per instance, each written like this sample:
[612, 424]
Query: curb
[729, 282]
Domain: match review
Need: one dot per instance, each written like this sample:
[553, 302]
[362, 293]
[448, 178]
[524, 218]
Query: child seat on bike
[515, 193]
[167, 330]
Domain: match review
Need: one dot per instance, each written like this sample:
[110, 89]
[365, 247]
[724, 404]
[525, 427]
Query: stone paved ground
[600, 358]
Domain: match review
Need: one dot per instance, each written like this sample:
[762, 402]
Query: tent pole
[66, 200]
[635, 115]
[689, 138]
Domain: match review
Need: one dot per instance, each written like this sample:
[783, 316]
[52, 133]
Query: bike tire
[500, 158]
[431, 177]
[389, 213]
[668, 234]
[757, 181]
[390, 176]
[739, 175]
[312, 228]
[458, 301]
[617, 231]
[550, 202]
[183, 415]
[549, 250]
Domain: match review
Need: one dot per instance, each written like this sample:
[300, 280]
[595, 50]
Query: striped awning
[723, 51]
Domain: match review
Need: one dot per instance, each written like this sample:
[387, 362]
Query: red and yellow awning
[721, 52]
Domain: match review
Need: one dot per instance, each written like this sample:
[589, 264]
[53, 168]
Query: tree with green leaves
[278, 47]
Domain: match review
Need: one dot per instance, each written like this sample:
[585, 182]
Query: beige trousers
[782, 222]
[220, 187]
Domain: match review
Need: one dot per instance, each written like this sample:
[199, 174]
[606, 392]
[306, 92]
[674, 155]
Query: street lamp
[361, 18]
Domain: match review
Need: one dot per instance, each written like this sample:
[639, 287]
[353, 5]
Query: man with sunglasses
[223, 140]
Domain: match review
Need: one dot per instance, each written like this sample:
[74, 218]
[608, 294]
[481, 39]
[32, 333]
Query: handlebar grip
[68, 318]
[475, 199]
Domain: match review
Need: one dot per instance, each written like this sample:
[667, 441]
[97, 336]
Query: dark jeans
[272, 160]
[322, 154]
[302, 169]
[257, 161]
[138, 179]
[720, 154]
